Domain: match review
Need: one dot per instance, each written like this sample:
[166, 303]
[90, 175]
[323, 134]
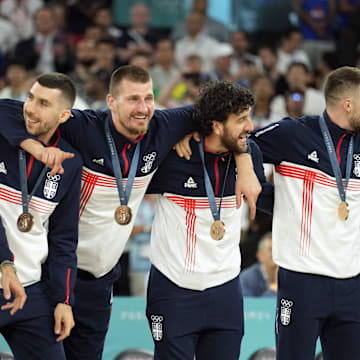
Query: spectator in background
[268, 59]
[260, 279]
[294, 103]
[349, 31]
[96, 87]
[211, 27]
[45, 51]
[140, 36]
[15, 79]
[316, 18]
[244, 65]
[251, 238]
[141, 59]
[196, 43]
[263, 90]
[8, 37]
[299, 77]
[81, 12]
[290, 50]
[94, 32]
[103, 17]
[222, 62]
[328, 62]
[139, 258]
[185, 87]
[85, 55]
[164, 71]
[105, 56]
[21, 13]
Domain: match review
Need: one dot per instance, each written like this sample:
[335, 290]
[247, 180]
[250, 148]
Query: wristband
[7, 263]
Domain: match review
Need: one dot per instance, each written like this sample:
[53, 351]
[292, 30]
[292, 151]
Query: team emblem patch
[285, 311]
[356, 165]
[51, 185]
[157, 327]
[149, 160]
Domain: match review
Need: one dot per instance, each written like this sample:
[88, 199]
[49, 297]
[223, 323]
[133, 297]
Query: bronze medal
[343, 211]
[217, 230]
[123, 215]
[25, 222]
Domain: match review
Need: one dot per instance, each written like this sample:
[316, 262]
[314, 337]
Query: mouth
[140, 118]
[243, 139]
[30, 120]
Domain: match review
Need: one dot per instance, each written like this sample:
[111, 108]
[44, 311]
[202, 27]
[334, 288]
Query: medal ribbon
[333, 160]
[209, 190]
[23, 181]
[123, 194]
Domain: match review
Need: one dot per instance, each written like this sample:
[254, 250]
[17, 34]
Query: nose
[249, 125]
[141, 106]
[29, 106]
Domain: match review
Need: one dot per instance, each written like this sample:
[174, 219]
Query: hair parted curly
[218, 100]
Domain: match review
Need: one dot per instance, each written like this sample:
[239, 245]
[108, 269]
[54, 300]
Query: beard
[355, 122]
[232, 143]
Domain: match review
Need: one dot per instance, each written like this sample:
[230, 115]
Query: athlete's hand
[183, 148]
[11, 284]
[50, 156]
[64, 321]
[247, 184]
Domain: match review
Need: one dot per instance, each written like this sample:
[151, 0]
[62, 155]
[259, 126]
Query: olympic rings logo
[53, 178]
[286, 303]
[156, 318]
[150, 157]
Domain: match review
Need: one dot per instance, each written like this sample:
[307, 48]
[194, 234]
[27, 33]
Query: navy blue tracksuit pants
[92, 310]
[311, 306]
[30, 331]
[184, 323]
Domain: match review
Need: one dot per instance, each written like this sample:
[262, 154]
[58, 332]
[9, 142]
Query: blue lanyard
[123, 194]
[333, 160]
[209, 190]
[23, 181]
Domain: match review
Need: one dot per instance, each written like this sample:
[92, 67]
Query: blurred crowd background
[281, 49]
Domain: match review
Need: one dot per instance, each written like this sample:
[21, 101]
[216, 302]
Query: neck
[338, 117]
[213, 143]
[46, 138]
[121, 130]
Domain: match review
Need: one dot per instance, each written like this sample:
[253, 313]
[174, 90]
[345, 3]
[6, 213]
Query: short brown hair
[129, 72]
[341, 82]
[55, 80]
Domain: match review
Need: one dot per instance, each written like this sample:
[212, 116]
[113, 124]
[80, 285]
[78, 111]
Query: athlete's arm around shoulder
[173, 124]
[275, 139]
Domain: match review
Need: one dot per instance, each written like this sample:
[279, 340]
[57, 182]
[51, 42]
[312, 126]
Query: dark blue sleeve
[265, 200]
[274, 139]
[5, 253]
[62, 239]
[12, 127]
[75, 130]
[174, 124]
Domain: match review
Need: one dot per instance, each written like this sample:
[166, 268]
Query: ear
[64, 116]
[218, 128]
[347, 105]
[110, 101]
